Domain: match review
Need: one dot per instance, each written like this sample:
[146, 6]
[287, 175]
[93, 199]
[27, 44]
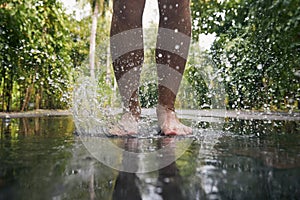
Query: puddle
[42, 158]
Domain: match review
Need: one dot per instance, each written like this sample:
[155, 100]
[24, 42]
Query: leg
[127, 55]
[171, 53]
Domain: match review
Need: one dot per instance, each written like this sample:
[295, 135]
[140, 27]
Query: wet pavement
[228, 158]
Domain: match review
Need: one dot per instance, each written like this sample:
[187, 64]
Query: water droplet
[297, 73]
[176, 30]
[160, 55]
[259, 66]
[167, 180]
[148, 180]
[177, 46]
[165, 18]
[158, 190]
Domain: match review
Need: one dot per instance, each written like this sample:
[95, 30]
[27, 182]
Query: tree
[257, 49]
[98, 8]
[35, 47]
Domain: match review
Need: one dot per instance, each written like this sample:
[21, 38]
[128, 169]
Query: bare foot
[169, 123]
[128, 125]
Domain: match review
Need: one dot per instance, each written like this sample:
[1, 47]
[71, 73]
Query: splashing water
[97, 105]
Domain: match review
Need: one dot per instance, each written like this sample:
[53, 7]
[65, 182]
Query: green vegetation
[36, 50]
[257, 50]
[255, 55]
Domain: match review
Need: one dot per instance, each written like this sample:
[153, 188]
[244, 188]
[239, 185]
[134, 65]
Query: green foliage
[148, 88]
[199, 86]
[196, 75]
[36, 50]
[256, 54]
[148, 95]
[257, 49]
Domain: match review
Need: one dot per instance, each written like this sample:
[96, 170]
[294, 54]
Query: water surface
[42, 158]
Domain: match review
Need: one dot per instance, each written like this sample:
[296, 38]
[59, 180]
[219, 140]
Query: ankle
[131, 116]
[166, 107]
[132, 113]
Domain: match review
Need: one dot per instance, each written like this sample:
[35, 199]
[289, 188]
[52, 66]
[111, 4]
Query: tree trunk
[108, 59]
[27, 97]
[37, 99]
[3, 93]
[8, 89]
[108, 69]
[10, 100]
[93, 40]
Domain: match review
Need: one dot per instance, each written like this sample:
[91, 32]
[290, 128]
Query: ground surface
[187, 114]
[42, 158]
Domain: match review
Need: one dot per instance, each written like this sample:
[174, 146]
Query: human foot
[169, 123]
[128, 125]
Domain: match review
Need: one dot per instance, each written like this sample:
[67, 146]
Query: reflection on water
[41, 158]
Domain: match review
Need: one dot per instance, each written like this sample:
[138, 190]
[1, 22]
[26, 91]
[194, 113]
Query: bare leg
[127, 55]
[172, 49]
